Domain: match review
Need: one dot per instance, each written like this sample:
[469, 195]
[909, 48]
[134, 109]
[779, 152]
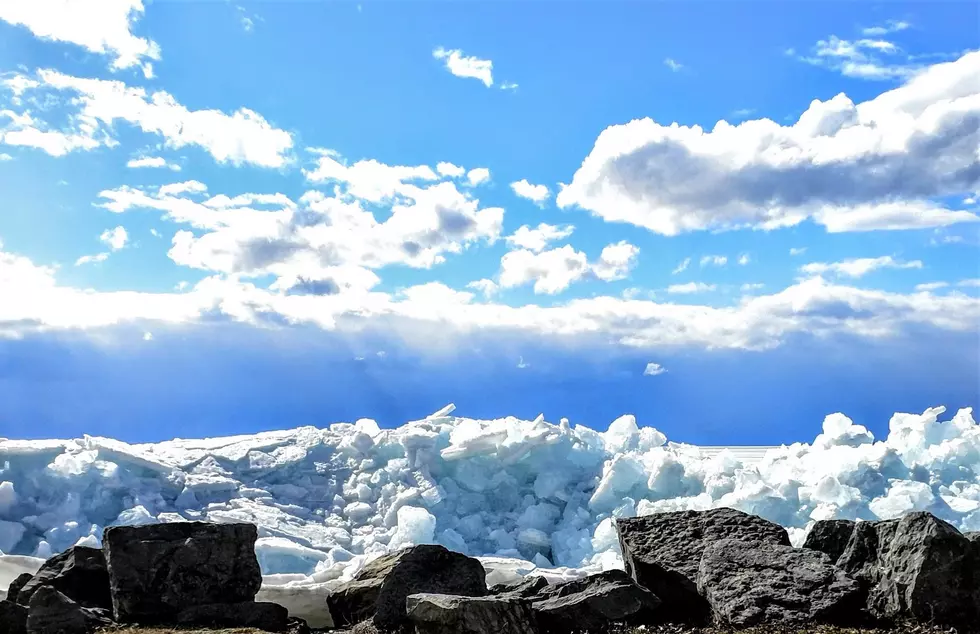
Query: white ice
[526, 497]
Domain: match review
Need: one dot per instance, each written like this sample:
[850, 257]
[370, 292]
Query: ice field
[521, 495]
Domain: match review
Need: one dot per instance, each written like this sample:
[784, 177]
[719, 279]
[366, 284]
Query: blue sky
[217, 215]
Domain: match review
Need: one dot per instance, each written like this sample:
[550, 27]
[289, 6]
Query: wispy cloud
[680, 268]
[714, 260]
[673, 64]
[690, 288]
[858, 267]
[869, 57]
[461, 65]
[891, 26]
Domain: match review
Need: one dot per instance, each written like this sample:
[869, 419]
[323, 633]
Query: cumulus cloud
[478, 176]
[242, 137]
[535, 193]
[103, 27]
[744, 259]
[539, 238]
[115, 238]
[849, 167]
[551, 271]
[690, 288]
[153, 162]
[488, 288]
[654, 369]
[461, 65]
[858, 267]
[616, 261]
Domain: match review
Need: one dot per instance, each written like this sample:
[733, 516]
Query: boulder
[830, 537]
[79, 573]
[51, 612]
[13, 618]
[449, 614]
[157, 570]
[917, 567]
[16, 585]
[751, 583]
[662, 553]
[593, 603]
[262, 616]
[379, 590]
[528, 588]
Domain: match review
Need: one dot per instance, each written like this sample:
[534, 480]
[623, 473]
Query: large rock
[379, 590]
[594, 603]
[79, 573]
[916, 567]
[830, 537]
[13, 618]
[157, 570]
[662, 552]
[448, 614]
[263, 616]
[529, 587]
[751, 583]
[51, 612]
[17, 585]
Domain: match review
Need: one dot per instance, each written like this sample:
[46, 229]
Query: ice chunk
[12, 566]
[8, 497]
[622, 435]
[415, 526]
[136, 516]
[278, 555]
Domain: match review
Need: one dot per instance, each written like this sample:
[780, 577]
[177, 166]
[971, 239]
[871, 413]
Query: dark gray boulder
[51, 612]
[378, 592]
[16, 585]
[752, 583]
[662, 552]
[594, 603]
[157, 570]
[917, 567]
[449, 614]
[270, 617]
[79, 573]
[830, 537]
[13, 618]
[529, 587]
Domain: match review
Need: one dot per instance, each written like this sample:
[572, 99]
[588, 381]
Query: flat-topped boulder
[449, 614]
[158, 570]
[662, 552]
[593, 603]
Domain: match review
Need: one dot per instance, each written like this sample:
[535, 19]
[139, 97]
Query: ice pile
[522, 495]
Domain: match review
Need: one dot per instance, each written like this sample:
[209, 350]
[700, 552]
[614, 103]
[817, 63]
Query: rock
[530, 587]
[830, 537]
[16, 585]
[302, 601]
[752, 583]
[79, 573]
[13, 618]
[662, 553]
[263, 616]
[51, 612]
[595, 602]
[380, 589]
[157, 570]
[916, 567]
[449, 614]
[297, 626]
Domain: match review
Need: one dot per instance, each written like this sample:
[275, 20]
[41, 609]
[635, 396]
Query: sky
[728, 218]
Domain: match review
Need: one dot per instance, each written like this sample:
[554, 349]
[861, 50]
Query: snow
[526, 497]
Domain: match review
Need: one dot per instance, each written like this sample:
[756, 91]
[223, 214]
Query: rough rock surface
[380, 589]
[751, 583]
[594, 602]
[662, 552]
[51, 612]
[528, 588]
[13, 618]
[830, 537]
[16, 585]
[79, 573]
[263, 616]
[917, 567]
[157, 570]
[447, 614]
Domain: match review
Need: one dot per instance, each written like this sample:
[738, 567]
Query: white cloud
[5, 157]
[488, 288]
[509, 85]
[690, 288]
[654, 369]
[673, 64]
[99, 26]
[478, 176]
[450, 170]
[975, 282]
[797, 250]
[152, 161]
[744, 259]
[539, 238]
[748, 288]
[616, 261]
[92, 259]
[930, 286]
[115, 238]
[243, 137]
[850, 167]
[873, 59]
[521, 364]
[147, 336]
[23, 130]
[858, 267]
[891, 26]
[535, 193]
[462, 66]
[714, 260]
[551, 271]
[686, 262]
